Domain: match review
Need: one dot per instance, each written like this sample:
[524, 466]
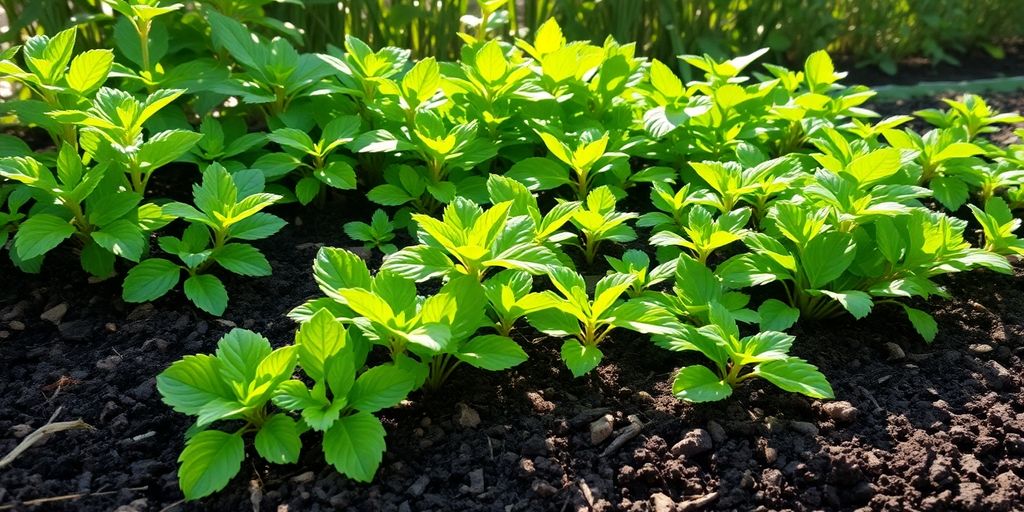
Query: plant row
[763, 200]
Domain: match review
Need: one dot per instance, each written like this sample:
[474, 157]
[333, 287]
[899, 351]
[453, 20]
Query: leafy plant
[598, 221]
[738, 359]
[112, 130]
[428, 337]
[471, 241]
[326, 169]
[228, 207]
[703, 233]
[998, 225]
[80, 202]
[235, 384]
[638, 264]
[572, 313]
[378, 234]
[825, 270]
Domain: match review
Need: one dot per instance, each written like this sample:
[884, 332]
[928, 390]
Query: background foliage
[867, 32]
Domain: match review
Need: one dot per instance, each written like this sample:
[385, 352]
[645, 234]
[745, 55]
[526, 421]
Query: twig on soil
[40, 433]
[66, 497]
[631, 431]
[697, 504]
[172, 505]
[870, 397]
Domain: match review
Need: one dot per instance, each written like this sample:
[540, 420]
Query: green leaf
[380, 387]
[166, 147]
[699, 384]
[319, 339]
[41, 233]
[777, 315]
[208, 293]
[355, 446]
[923, 323]
[338, 174]
[256, 227]
[797, 376]
[388, 195]
[240, 352]
[122, 238]
[950, 191]
[307, 189]
[150, 279]
[492, 352]
[209, 461]
[191, 383]
[418, 262]
[293, 138]
[875, 166]
[491, 62]
[111, 207]
[580, 358]
[278, 440]
[539, 173]
[89, 70]
[242, 259]
[826, 257]
[858, 303]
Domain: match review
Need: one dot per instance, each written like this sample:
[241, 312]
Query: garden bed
[913, 426]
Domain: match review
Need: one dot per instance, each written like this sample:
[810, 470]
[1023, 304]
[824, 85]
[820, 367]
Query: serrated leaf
[278, 440]
[150, 280]
[209, 461]
[207, 292]
[355, 446]
[699, 384]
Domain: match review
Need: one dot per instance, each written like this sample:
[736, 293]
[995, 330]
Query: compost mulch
[914, 426]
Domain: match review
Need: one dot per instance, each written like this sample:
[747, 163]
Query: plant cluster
[518, 171]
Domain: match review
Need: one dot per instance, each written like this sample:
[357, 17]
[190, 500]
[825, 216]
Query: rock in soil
[55, 314]
[662, 503]
[842, 411]
[601, 429]
[467, 417]
[694, 442]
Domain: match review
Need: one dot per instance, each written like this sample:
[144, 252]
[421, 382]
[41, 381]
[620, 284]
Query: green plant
[471, 241]
[327, 169]
[738, 359]
[112, 130]
[140, 14]
[703, 233]
[998, 224]
[378, 234]
[825, 269]
[572, 313]
[81, 202]
[598, 221]
[60, 81]
[638, 264]
[227, 208]
[428, 337]
[971, 114]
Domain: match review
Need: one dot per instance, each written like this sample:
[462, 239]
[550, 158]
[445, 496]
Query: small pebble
[55, 314]
[841, 411]
[467, 417]
[308, 476]
[694, 442]
[15, 325]
[804, 427]
[543, 489]
[662, 503]
[977, 348]
[109, 363]
[601, 429]
[894, 352]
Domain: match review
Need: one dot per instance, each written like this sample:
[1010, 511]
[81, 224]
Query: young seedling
[738, 359]
[572, 313]
[227, 208]
[378, 234]
[236, 384]
[326, 168]
[598, 221]
[637, 264]
[704, 234]
[998, 225]
[112, 131]
[471, 241]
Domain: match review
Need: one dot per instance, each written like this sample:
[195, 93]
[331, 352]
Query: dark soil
[914, 426]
